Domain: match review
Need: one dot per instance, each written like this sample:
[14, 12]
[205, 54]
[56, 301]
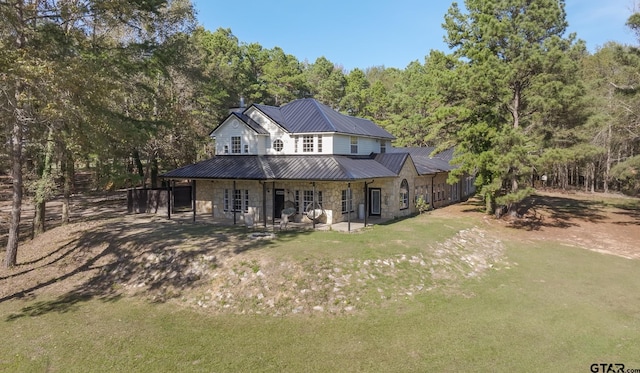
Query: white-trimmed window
[319, 143]
[307, 198]
[347, 201]
[236, 145]
[404, 194]
[240, 202]
[383, 146]
[278, 145]
[307, 144]
[226, 149]
[295, 143]
[354, 145]
[246, 148]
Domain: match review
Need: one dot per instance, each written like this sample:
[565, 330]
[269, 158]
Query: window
[295, 143]
[307, 144]
[235, 145]
[354, 145]
[296, 200]
[226, 149]
[383, 146]
[404, 195]
[307, 198]
[240, 201]
[319, 143]
[246, 148]
[347, 201]
[278, 145]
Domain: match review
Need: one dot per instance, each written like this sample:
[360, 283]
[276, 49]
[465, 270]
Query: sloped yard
[450, 290]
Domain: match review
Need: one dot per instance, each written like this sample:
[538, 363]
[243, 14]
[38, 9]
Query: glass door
[374, 205]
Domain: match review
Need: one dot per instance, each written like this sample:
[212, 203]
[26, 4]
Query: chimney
[240, 108]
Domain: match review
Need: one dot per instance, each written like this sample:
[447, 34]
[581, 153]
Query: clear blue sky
[389, 33]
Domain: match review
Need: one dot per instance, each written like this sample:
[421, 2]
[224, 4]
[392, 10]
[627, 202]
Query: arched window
[404, 194]
[278, 145]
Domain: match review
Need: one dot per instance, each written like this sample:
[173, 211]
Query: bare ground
[106, 254]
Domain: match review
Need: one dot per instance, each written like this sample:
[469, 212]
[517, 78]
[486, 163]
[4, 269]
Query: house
[315, 164]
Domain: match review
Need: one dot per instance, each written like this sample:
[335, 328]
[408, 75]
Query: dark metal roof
[308, 115]
[221, 167]
[287, 167]
[255, 126]
[392, 161]
[315, 167]
[252, 123]
[425, 161]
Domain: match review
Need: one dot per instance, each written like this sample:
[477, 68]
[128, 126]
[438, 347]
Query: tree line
[129, 89]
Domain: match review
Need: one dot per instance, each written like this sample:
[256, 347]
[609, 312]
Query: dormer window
[278, 145]
[354, 145]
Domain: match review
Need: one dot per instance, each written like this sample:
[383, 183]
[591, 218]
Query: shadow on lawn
[630, 210]
[540, 211]
[157, 258]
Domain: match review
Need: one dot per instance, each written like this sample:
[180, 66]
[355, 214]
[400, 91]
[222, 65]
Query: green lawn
[553, 308]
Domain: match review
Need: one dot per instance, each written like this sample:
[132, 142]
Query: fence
[156, 200]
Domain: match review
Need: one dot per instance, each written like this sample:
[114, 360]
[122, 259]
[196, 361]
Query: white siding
[231, 128]
[366, 145]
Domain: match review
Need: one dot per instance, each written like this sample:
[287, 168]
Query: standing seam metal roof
[308, 115]
[253, 167]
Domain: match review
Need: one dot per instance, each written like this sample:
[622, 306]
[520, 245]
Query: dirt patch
[594, 221]
[107, 254]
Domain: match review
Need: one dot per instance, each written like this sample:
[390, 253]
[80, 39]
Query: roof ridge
[335, 129]
[342, 168]
[265, 167]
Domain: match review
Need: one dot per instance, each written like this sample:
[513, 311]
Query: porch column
[349, 204]
[264, 204]
[233, 203]
[169, 200]
[193, 198]
[313, 205]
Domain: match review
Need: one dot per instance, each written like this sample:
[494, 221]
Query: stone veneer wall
[210, 196]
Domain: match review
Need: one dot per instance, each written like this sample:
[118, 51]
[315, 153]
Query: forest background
[130, 89]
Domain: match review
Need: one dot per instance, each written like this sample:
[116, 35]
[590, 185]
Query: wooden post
[349, 203]
[264, 204]
[169, 200]
[313, 205]
[193, 198]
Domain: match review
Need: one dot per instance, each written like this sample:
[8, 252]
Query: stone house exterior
[314, 164]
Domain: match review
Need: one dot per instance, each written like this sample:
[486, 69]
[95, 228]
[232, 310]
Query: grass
[556, 308]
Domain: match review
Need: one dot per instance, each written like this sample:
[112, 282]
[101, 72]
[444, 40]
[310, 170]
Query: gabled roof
[308, 116]
[392, 161]
[425, 162]
[283, 167]
[252, 124]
